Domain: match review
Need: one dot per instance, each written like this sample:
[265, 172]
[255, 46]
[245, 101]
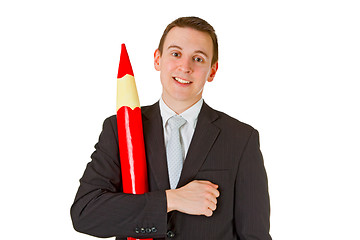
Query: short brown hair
[194, 23]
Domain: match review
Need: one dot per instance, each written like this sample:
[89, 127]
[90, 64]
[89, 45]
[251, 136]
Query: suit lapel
[204, 137]
[155, 146]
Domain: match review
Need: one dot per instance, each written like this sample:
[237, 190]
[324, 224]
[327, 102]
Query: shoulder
[146, 112]
[110, 122]
[228, 123]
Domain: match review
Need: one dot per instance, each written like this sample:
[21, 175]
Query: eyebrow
[174, 46]
[197, 51]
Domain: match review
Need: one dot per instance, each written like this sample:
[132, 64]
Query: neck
[179, 106]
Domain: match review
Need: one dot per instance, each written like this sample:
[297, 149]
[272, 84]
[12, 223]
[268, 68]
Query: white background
[289, 68]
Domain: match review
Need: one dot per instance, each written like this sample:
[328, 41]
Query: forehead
[189, 39]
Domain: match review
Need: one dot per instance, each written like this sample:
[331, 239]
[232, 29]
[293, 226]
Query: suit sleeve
[252, 207]
[101, 208]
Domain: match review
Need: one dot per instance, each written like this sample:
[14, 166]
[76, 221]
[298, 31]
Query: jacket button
[142, 230]
[154, 229]
[137, 230]
[170, 234]
[148, 230]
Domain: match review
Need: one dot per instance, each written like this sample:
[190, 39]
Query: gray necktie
[174, 150]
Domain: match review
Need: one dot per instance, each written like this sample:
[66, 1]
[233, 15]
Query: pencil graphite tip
[124, 64]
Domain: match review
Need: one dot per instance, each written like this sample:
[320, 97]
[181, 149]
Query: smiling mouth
[181, 80]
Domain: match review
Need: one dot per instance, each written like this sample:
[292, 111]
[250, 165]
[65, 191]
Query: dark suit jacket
[223, 151]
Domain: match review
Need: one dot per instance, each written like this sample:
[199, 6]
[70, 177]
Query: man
[220, 190]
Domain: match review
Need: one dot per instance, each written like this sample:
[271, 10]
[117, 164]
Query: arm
[101, 208]
[252, 206]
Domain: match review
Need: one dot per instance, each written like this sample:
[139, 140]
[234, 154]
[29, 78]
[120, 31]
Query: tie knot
[175, 122]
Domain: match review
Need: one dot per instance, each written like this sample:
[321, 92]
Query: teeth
[181, 80]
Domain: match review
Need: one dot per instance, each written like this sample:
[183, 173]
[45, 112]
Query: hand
[195, 198]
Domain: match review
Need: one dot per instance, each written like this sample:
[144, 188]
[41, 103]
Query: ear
[157, 60]
[213, 71]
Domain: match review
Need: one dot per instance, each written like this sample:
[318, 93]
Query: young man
[219, 191]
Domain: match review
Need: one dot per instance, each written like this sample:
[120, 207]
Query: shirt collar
[190, 115]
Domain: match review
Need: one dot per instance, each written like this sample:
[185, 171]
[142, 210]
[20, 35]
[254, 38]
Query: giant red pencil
[130, 130]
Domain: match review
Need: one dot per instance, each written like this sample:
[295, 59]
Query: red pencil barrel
[132, 150]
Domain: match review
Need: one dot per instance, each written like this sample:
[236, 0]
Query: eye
[175, 54]
[198, 59]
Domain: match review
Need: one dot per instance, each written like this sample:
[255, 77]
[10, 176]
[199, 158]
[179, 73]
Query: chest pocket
[222, 178]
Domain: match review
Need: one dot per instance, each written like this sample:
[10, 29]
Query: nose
[185, 65]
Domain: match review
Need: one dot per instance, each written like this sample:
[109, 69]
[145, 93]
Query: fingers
[212, 200]
[210, 210]
[214, 191]
[208, 213]
[211, 188]
[212, 206]
[211, 195]
[207, 183]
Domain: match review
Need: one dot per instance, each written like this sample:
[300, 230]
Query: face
[185, 65]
